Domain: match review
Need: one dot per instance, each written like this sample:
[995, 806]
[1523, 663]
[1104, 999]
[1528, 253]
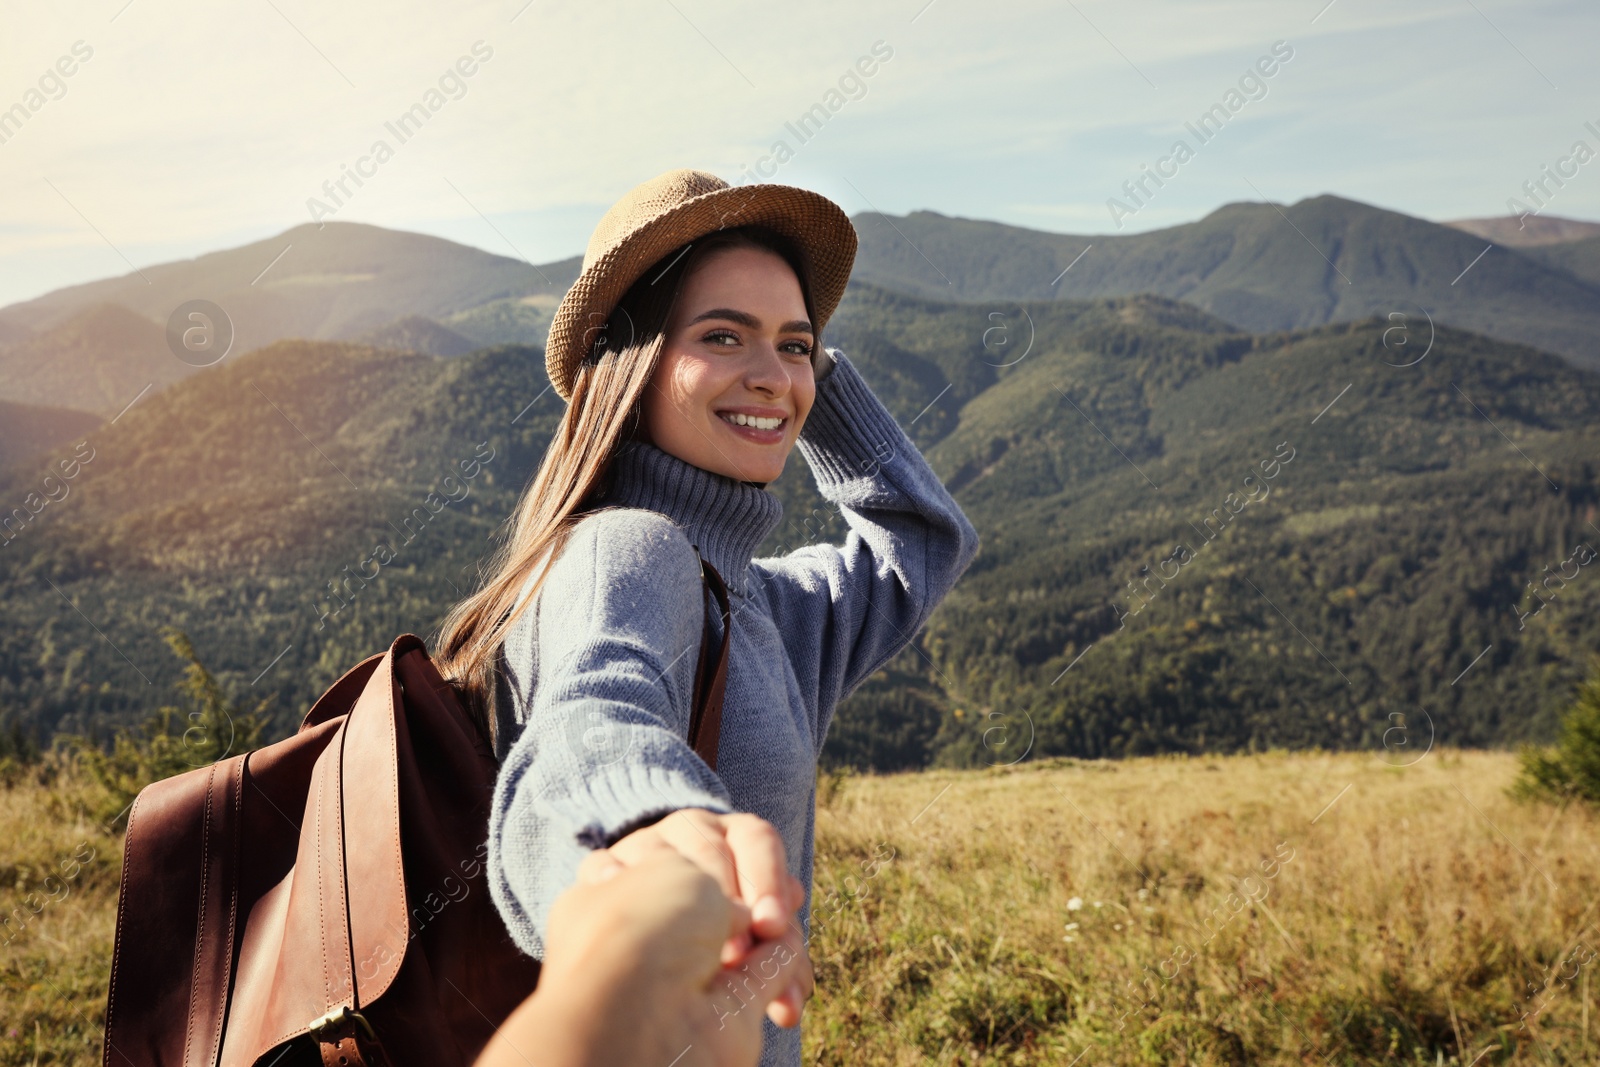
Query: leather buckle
[338, 1016]
[346, 1039]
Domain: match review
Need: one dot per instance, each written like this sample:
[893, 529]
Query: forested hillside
[1122, 602]
[1144, 585]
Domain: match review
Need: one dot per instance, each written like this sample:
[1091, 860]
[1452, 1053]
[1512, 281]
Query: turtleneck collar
[726, 519]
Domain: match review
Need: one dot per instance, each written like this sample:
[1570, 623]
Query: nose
[765, 371]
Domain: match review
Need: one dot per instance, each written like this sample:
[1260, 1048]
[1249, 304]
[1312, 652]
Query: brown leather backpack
[324, 899]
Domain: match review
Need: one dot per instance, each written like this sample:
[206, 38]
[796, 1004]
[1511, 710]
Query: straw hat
[671, 210]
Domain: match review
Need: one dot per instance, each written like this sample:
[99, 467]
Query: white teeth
[741, 419]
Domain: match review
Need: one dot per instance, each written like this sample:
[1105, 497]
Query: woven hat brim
[816, 224]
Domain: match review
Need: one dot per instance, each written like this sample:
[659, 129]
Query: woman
[689, 352]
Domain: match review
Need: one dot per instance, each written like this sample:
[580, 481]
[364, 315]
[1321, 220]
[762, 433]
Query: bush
[1571, 770]
[1177, 1038]
[17, 752]
[171, 741]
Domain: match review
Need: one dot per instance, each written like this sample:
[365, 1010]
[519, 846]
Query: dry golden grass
[58, 886]
[1415, 920]
[1423, 918]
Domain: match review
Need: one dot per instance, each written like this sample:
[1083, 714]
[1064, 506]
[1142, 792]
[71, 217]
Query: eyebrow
[744, 318]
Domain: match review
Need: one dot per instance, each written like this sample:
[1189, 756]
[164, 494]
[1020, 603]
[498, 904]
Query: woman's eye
[799, 348]
[721, 337]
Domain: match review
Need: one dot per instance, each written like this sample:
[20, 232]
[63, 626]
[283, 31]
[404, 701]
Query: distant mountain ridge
[330, 282]
[414, 333]
[1580, 258]
[1259, 266]
[98, 360]
[1531, 231]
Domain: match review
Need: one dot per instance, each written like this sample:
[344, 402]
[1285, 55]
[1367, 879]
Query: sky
[186, 127]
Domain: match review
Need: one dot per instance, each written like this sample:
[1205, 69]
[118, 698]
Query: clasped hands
[673, 943]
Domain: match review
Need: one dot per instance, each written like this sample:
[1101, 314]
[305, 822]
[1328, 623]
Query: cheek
[666, 394]
[679, 399]
[692, 387]
[676, 391]
[805, 394]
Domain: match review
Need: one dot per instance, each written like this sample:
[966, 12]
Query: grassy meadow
[1205, 911]
[58, 886]
[1272, 909]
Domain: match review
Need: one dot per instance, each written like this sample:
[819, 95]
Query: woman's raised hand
[744, 854]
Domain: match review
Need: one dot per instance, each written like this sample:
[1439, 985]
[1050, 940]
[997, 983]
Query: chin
[750, 468]
[759, 471]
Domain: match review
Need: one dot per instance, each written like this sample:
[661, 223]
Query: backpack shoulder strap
[711, 671]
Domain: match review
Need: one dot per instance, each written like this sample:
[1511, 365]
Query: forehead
[742, 275]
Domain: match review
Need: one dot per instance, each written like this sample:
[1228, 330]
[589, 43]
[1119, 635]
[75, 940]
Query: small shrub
[1571, 770]
[171, 741]
[18, 753]
[1179, 1039]
[1005, 1003]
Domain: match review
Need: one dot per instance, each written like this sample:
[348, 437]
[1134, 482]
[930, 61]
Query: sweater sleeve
[604, 750]
[845, 610]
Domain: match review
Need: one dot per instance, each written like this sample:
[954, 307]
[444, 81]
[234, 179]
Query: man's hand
[744, 854]
[631, 975]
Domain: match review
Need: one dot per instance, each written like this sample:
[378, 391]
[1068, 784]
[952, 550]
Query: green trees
[172, 740]
[1570, 770]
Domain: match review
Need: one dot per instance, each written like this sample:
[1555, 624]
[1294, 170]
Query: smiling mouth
[751, 421]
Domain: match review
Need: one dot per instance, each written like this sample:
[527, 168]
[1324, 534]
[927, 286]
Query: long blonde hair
[602, 414]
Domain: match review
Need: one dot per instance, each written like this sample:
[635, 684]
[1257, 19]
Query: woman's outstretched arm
[604, 748]
[845, 610]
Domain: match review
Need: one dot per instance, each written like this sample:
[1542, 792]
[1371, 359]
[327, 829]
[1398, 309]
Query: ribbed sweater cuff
[621, 798]
[848, 434]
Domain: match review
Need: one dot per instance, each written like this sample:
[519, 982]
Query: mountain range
[96, 346]
[1259, 267]
[1256, 266]
[1427, 477]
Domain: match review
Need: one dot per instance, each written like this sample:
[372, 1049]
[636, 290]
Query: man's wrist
[571, 1029]
[582, 1009]
[600, 966]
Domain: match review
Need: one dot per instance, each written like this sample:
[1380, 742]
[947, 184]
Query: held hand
[631, 975]
[745, 855]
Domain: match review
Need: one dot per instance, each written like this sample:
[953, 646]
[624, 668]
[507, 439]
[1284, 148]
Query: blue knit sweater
[598, 674]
